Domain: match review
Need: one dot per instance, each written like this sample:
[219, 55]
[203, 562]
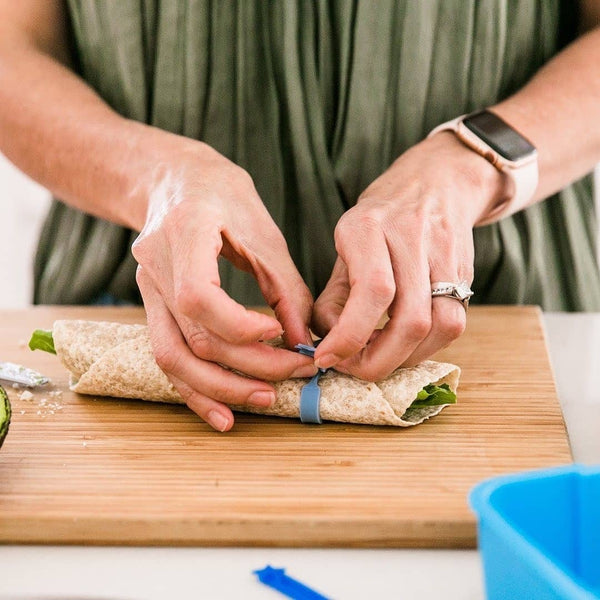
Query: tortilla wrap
[115, 359]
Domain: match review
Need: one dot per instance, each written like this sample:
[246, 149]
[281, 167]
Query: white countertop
[45, 572]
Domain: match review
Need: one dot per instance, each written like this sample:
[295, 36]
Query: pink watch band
[523, 173]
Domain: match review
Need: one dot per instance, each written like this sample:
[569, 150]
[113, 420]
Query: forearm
[61, 133]
[559, 111]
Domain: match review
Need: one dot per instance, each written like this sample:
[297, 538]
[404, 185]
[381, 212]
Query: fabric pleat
[315, 99]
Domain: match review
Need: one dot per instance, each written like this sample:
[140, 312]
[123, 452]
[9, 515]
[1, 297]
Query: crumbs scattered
[16, 386]
[45, 405]
[84, 444]
[48, 407]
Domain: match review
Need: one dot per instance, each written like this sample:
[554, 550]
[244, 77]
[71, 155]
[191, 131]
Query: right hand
[202, 206]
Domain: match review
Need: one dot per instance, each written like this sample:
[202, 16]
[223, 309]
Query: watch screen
[499, 135]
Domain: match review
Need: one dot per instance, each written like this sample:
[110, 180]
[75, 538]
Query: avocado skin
[4, 414]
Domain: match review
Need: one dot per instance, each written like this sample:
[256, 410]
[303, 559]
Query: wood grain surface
[79, 469]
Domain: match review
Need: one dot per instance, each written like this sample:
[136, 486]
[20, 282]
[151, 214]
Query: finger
[198, 294]
[329, 305]
[449, 317]
[449, 320]
[283, 288]
[175, 358]
[257, 359]
[190, 342]
[409, 322]
[293, 308]
[217, 415]
[372, 289]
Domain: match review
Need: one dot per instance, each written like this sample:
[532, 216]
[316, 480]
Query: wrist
[156, 171]
[175, 168]
[487, 187]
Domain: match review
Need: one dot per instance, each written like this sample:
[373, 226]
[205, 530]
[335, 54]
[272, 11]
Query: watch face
[500, 136]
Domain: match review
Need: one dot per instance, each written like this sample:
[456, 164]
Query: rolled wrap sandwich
[115, 359]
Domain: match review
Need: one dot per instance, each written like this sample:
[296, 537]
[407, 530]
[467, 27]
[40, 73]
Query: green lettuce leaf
[435, 395]
[41, 339]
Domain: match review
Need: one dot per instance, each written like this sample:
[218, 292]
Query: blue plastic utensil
[288, 586]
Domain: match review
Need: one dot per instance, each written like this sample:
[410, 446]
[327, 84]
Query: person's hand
[410, 228]
[203, 206]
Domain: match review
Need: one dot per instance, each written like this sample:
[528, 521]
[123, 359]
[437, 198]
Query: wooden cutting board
[76, 469]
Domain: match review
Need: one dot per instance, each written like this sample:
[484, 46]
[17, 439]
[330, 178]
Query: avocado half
[4, 414]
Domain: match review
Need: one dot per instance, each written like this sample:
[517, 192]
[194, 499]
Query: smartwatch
[504, 147]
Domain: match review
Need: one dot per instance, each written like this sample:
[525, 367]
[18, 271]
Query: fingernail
[217, 420]
[305, 371]
[263, 399]
[271, 334]
[324, 362]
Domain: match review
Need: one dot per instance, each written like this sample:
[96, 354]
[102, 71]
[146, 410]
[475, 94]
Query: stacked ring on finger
[457, 291]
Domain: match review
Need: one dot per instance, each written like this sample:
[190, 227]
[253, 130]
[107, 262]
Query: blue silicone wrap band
[310, 401]
[310, 397]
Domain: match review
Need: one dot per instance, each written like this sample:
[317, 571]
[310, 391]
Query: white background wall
[23, 205]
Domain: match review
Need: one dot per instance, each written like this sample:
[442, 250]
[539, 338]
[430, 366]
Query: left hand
[412, 226]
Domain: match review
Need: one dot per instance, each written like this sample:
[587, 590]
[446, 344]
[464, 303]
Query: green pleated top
[315, 99]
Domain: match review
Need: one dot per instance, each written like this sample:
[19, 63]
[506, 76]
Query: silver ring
[458, 291]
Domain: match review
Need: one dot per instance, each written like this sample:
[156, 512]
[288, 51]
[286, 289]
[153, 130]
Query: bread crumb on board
[48, 404]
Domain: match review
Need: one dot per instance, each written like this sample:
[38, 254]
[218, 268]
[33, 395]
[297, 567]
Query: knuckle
[371, 372]
[418, 327]
[345, 230]
[373, 219]
[382, 287]
[345, 221]
[442, 225]
[166, 357]
[224, 391]
[237, 183]
[357, 220]
[453, 327]
[196, 402]
[351, 340]
[244, 178]
[339, 233]
[277, 373]
[201, 343]
[189, 298]
[275, 365]
[140, 249]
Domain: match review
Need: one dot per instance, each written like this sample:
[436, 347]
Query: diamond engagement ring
[459, 291]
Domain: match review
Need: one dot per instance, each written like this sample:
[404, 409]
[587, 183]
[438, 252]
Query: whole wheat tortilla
[115, 359]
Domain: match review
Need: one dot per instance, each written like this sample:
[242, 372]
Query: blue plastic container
[539, 534]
